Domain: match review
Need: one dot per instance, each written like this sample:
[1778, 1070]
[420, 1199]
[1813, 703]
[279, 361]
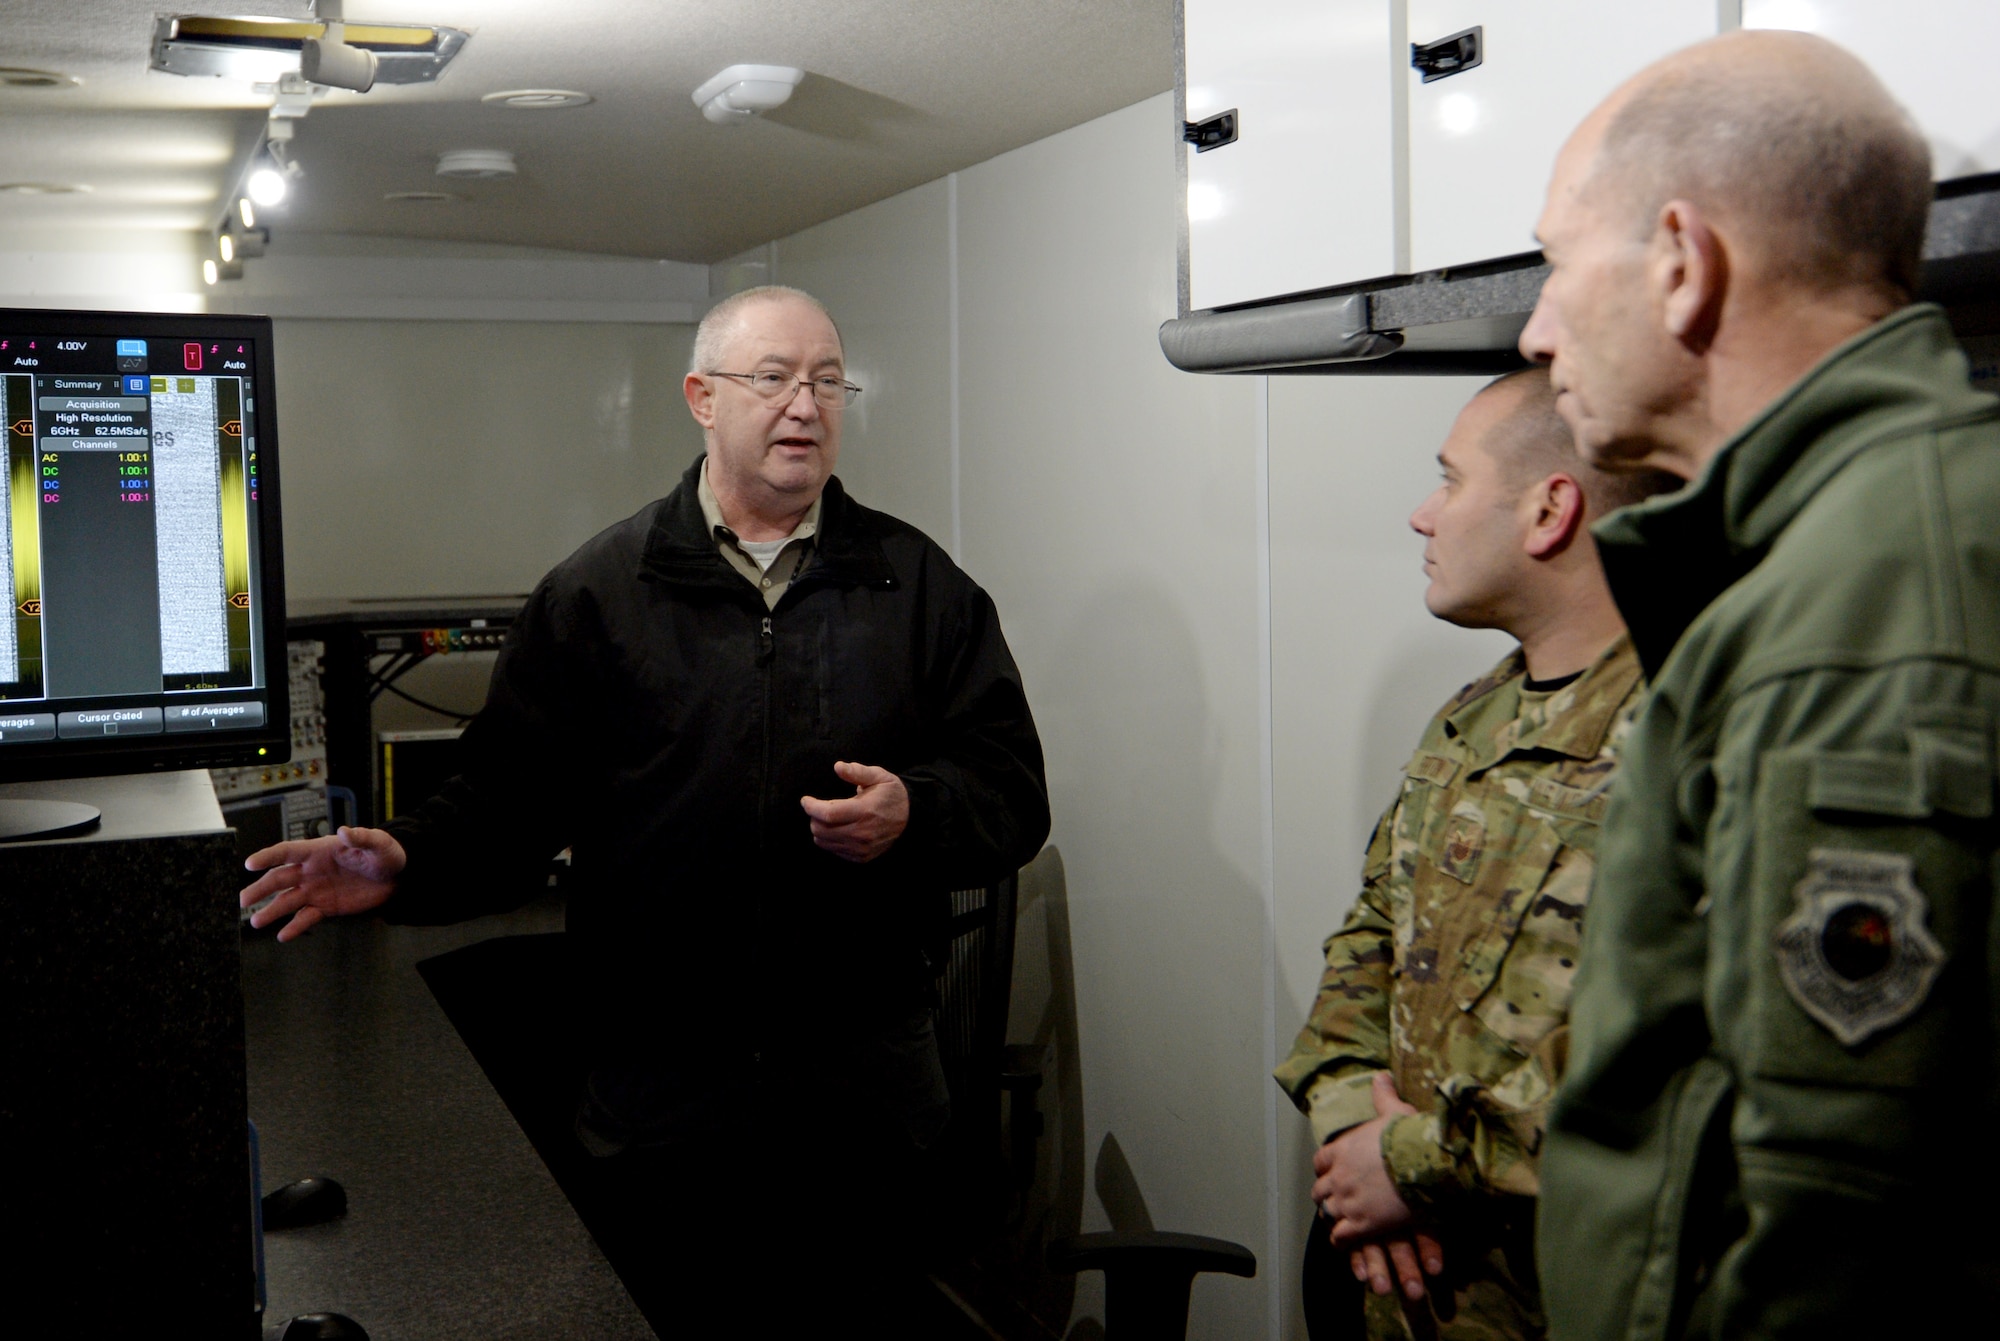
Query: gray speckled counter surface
[454, 1227]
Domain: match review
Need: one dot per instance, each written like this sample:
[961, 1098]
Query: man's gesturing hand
[862, 827]
[353, 871]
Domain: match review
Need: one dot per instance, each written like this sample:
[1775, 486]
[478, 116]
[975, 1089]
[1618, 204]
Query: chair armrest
[1151, 1251]
[1020, 1068]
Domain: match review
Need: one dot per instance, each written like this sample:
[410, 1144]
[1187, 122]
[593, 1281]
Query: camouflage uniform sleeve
[1345, 1039]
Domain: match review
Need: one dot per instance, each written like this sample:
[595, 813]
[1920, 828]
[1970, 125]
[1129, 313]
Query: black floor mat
[510, 998]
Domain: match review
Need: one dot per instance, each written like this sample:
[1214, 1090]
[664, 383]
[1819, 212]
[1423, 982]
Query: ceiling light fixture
[225, 247]
[420, 197]
[331, 61]
[538, 99]
[208, 272]
[44, 188]
[18, 76]
[266, 186]
[248, 212]
[248, 243]
[263, 50]
[741, 91]
[477, 164]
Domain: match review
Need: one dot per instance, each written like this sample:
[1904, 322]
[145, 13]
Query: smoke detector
[538, 99]
[477, 164]
[742, 91]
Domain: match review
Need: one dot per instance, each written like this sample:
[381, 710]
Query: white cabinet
[1482, 141]
[1348, 166]
[1305, 197]
[1936, 56]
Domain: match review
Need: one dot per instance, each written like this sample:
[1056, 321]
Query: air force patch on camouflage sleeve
[1855, 954]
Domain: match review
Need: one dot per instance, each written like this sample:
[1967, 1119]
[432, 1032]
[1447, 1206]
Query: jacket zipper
[766, 647]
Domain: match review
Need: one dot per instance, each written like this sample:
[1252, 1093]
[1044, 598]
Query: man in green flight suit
[1439, 1030]
[1780, 1110]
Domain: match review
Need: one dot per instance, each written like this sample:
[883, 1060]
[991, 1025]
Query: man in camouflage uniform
[1440, 1028]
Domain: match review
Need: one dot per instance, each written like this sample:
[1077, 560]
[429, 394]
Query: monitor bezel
[271, 743]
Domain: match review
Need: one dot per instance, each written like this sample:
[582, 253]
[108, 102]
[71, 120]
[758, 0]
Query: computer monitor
[143, 626]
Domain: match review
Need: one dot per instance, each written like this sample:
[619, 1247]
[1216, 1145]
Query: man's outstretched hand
[863, 826]
[1368, 1213]
[353, 871]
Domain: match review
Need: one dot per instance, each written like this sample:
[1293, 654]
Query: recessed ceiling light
[17, 76]
[477, 164]
[44, 188]
[421, 197]
[538, 99]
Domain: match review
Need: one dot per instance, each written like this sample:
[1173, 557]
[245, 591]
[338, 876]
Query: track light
[208, 274]
[267, 186]
[331, 61]
[247, 211]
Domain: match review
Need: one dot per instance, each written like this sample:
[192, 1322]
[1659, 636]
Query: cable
[460, 717]
[400, 664]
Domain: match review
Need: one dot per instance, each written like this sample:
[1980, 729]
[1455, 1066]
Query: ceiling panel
[897, 92]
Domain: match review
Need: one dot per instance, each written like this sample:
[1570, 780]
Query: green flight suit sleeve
[1345, 1039]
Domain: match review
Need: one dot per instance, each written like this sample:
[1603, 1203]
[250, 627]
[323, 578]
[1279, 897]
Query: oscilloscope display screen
[132, 560]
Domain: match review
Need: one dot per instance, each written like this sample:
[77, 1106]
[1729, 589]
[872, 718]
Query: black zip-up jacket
[649, 712]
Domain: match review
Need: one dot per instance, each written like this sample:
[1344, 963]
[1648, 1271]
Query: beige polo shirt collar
[791, 560]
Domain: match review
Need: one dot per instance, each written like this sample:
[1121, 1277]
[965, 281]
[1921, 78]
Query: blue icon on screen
[135, 386]
[132, 348]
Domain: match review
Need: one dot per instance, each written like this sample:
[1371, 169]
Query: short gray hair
[720, 323]
[1792, 137]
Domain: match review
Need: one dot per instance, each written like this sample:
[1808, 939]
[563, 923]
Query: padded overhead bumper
[1284, 335]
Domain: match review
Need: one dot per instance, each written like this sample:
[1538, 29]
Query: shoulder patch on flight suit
[1855, 954]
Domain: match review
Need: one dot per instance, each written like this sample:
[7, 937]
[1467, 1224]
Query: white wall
[439, 458]
[1110, 504]
[897, 446]
[1217, 606]
[118, 270]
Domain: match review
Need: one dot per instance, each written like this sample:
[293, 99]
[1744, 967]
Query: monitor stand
[24, 820]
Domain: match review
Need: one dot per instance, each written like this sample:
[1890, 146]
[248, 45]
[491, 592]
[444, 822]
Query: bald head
[1786, 138]
[1531, 442]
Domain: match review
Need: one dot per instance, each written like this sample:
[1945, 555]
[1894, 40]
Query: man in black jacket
[774, 727]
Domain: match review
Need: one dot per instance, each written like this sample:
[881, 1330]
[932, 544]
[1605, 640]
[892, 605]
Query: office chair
[975, 981]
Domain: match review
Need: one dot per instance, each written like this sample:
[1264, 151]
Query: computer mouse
[309, 1201]
[323, 1327]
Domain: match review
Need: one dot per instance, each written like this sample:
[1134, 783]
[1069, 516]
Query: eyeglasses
[780, 387]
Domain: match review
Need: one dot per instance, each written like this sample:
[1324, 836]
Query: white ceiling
[898, 92]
